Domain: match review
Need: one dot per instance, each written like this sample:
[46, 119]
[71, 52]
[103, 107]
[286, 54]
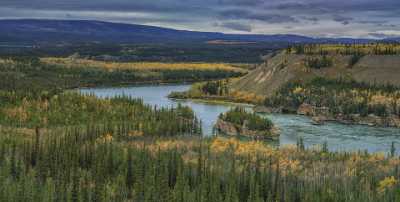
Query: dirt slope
[283, 68]
[380, 69]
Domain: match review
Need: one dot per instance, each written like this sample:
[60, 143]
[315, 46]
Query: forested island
[239, 122]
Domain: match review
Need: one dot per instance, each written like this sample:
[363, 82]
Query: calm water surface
[338, 136]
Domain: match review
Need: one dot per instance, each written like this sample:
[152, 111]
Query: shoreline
[321, 119]
[215, 101]
[318, 119]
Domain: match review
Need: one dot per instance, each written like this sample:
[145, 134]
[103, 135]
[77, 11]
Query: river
[338, 136]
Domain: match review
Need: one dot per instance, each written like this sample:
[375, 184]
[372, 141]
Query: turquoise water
[338, 136]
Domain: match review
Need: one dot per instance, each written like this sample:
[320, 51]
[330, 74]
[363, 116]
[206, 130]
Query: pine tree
[130, 180]
[75, 186]
[393, 150]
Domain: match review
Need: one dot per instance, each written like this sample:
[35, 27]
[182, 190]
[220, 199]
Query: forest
[164, 52]
[59, 145]
[341, 96]
[345, 49]
[66, 73]
[115, 164]
[218, 90]
[239, 116]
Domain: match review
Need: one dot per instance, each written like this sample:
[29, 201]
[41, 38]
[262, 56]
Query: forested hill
[29, 31]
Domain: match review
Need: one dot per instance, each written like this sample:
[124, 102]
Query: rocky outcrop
[319, 120]
[310, 110]
[226, 128]
[230, 129]
[306, 109]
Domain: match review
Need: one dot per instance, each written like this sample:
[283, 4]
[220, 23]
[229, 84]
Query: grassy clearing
[142, 66]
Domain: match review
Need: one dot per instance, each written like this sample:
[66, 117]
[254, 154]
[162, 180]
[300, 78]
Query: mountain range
[46, 31]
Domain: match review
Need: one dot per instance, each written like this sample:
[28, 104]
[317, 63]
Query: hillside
[282, 68]
[32, 31]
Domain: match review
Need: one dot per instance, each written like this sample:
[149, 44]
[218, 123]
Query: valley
[107, 118]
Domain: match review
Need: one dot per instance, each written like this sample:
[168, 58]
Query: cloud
[384, 36]
[306, 17]
[342, 19]
[245, 27]
[238, 14]
[311, 19]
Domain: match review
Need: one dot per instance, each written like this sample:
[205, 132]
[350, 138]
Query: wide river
[338, 136]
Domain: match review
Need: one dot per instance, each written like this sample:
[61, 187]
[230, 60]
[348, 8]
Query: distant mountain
[396, 39]
[30, 31]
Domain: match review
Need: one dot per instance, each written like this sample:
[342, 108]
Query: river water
[338, 136]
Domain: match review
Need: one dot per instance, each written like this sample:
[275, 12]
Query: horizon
[313, 18]
[177, 29]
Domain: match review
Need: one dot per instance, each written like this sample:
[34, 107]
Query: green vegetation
[239, 116]
[72, 109]
[57, 145]
[345, 49]
[341, 96]
[318, 63]
[217, 90]
[106, 164]
[61, 73]
[354, 59]
[164, 52]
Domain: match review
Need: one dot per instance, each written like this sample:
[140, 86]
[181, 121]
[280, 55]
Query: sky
[318, 18]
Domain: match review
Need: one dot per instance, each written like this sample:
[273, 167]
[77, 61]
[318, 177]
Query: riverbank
[340, 137]
[317, 115]
[320, 115]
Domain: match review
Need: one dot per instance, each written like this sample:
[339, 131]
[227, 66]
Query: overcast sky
[327, 18]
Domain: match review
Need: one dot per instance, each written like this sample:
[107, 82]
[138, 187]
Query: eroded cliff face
[282, 68]
[230, 129]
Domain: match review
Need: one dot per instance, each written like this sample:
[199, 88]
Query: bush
[239, 116]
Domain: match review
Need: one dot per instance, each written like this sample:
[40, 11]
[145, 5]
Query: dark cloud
[342, 19]
[293, 6]
[245, 27]
[319, 17]
[235, 14]
[311, 19]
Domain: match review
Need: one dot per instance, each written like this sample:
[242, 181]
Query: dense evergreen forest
[239, 116]
[164, 52]
[341, 96]
[61, 73]
[345, 49]
[58, 145]
[112, 164]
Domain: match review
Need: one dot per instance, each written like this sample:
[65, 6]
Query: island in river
[238, 122]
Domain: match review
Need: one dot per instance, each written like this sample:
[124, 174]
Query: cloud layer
[333, 18]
